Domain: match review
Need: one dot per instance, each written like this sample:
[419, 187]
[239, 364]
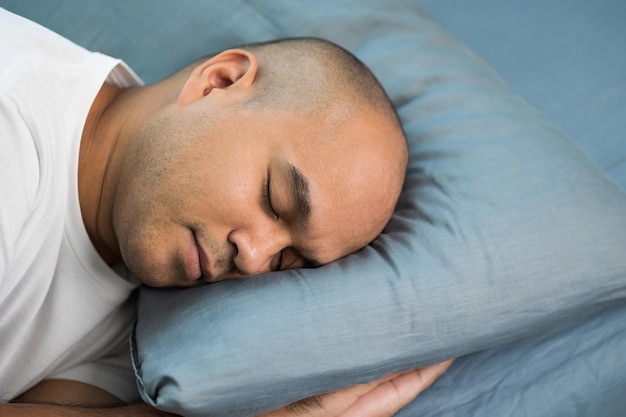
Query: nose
[258, 248]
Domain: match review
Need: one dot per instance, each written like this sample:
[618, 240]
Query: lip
[204, 264]
[193, 263]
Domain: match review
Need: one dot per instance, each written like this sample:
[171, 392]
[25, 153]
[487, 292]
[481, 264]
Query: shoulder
[23, 40]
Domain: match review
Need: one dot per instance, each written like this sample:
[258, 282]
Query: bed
[506, 248]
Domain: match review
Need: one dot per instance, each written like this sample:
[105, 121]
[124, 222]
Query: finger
[329, 405]
[336, 402]
[430, 374]
[332, 404]
[391, 396]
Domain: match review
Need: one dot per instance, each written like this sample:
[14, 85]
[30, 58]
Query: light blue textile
[505, 230]
[567, 59]
[577, 370]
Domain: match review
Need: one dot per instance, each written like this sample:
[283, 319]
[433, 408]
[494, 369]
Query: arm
[381, 398]
[45, 410]
[52, 398]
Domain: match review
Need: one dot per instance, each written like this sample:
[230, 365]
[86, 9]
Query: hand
[381, 398]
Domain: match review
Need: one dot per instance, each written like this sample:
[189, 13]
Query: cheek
[206, 176]
[233, 195]
[232, 183]
[148, 246]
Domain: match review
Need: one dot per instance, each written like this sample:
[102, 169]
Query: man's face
[203, 199]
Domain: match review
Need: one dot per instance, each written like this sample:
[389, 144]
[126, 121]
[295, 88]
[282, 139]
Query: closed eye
[290, 258]
[267, 199]
[311, 263]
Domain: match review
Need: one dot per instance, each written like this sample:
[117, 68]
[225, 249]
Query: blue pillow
[503, 230]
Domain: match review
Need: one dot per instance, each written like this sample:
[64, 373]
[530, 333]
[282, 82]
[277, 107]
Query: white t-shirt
[64, 313]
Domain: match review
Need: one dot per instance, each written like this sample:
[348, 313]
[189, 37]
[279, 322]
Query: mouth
[193, 263]
[206, 274]
[198, 264]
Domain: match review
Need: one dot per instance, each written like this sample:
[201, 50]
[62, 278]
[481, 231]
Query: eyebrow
[300, 190]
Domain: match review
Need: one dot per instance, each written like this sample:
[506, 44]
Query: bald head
[320, 79]
[309, 72]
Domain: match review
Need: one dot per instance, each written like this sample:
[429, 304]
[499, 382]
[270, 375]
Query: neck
[96, 149]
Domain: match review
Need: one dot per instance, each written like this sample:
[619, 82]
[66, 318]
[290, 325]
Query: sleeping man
[261, 158]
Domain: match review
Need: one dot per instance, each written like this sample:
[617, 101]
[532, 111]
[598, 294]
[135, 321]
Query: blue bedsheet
[578, 370]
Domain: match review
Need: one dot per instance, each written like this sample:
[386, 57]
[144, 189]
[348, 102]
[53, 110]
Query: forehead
[347, 179]
[312, 211]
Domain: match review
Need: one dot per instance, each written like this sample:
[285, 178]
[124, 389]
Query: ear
[234, 69]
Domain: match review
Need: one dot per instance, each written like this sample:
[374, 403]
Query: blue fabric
[507, 236]
[577, 370]
[566, 58]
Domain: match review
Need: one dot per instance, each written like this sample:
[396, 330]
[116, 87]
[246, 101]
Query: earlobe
[231, 70]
